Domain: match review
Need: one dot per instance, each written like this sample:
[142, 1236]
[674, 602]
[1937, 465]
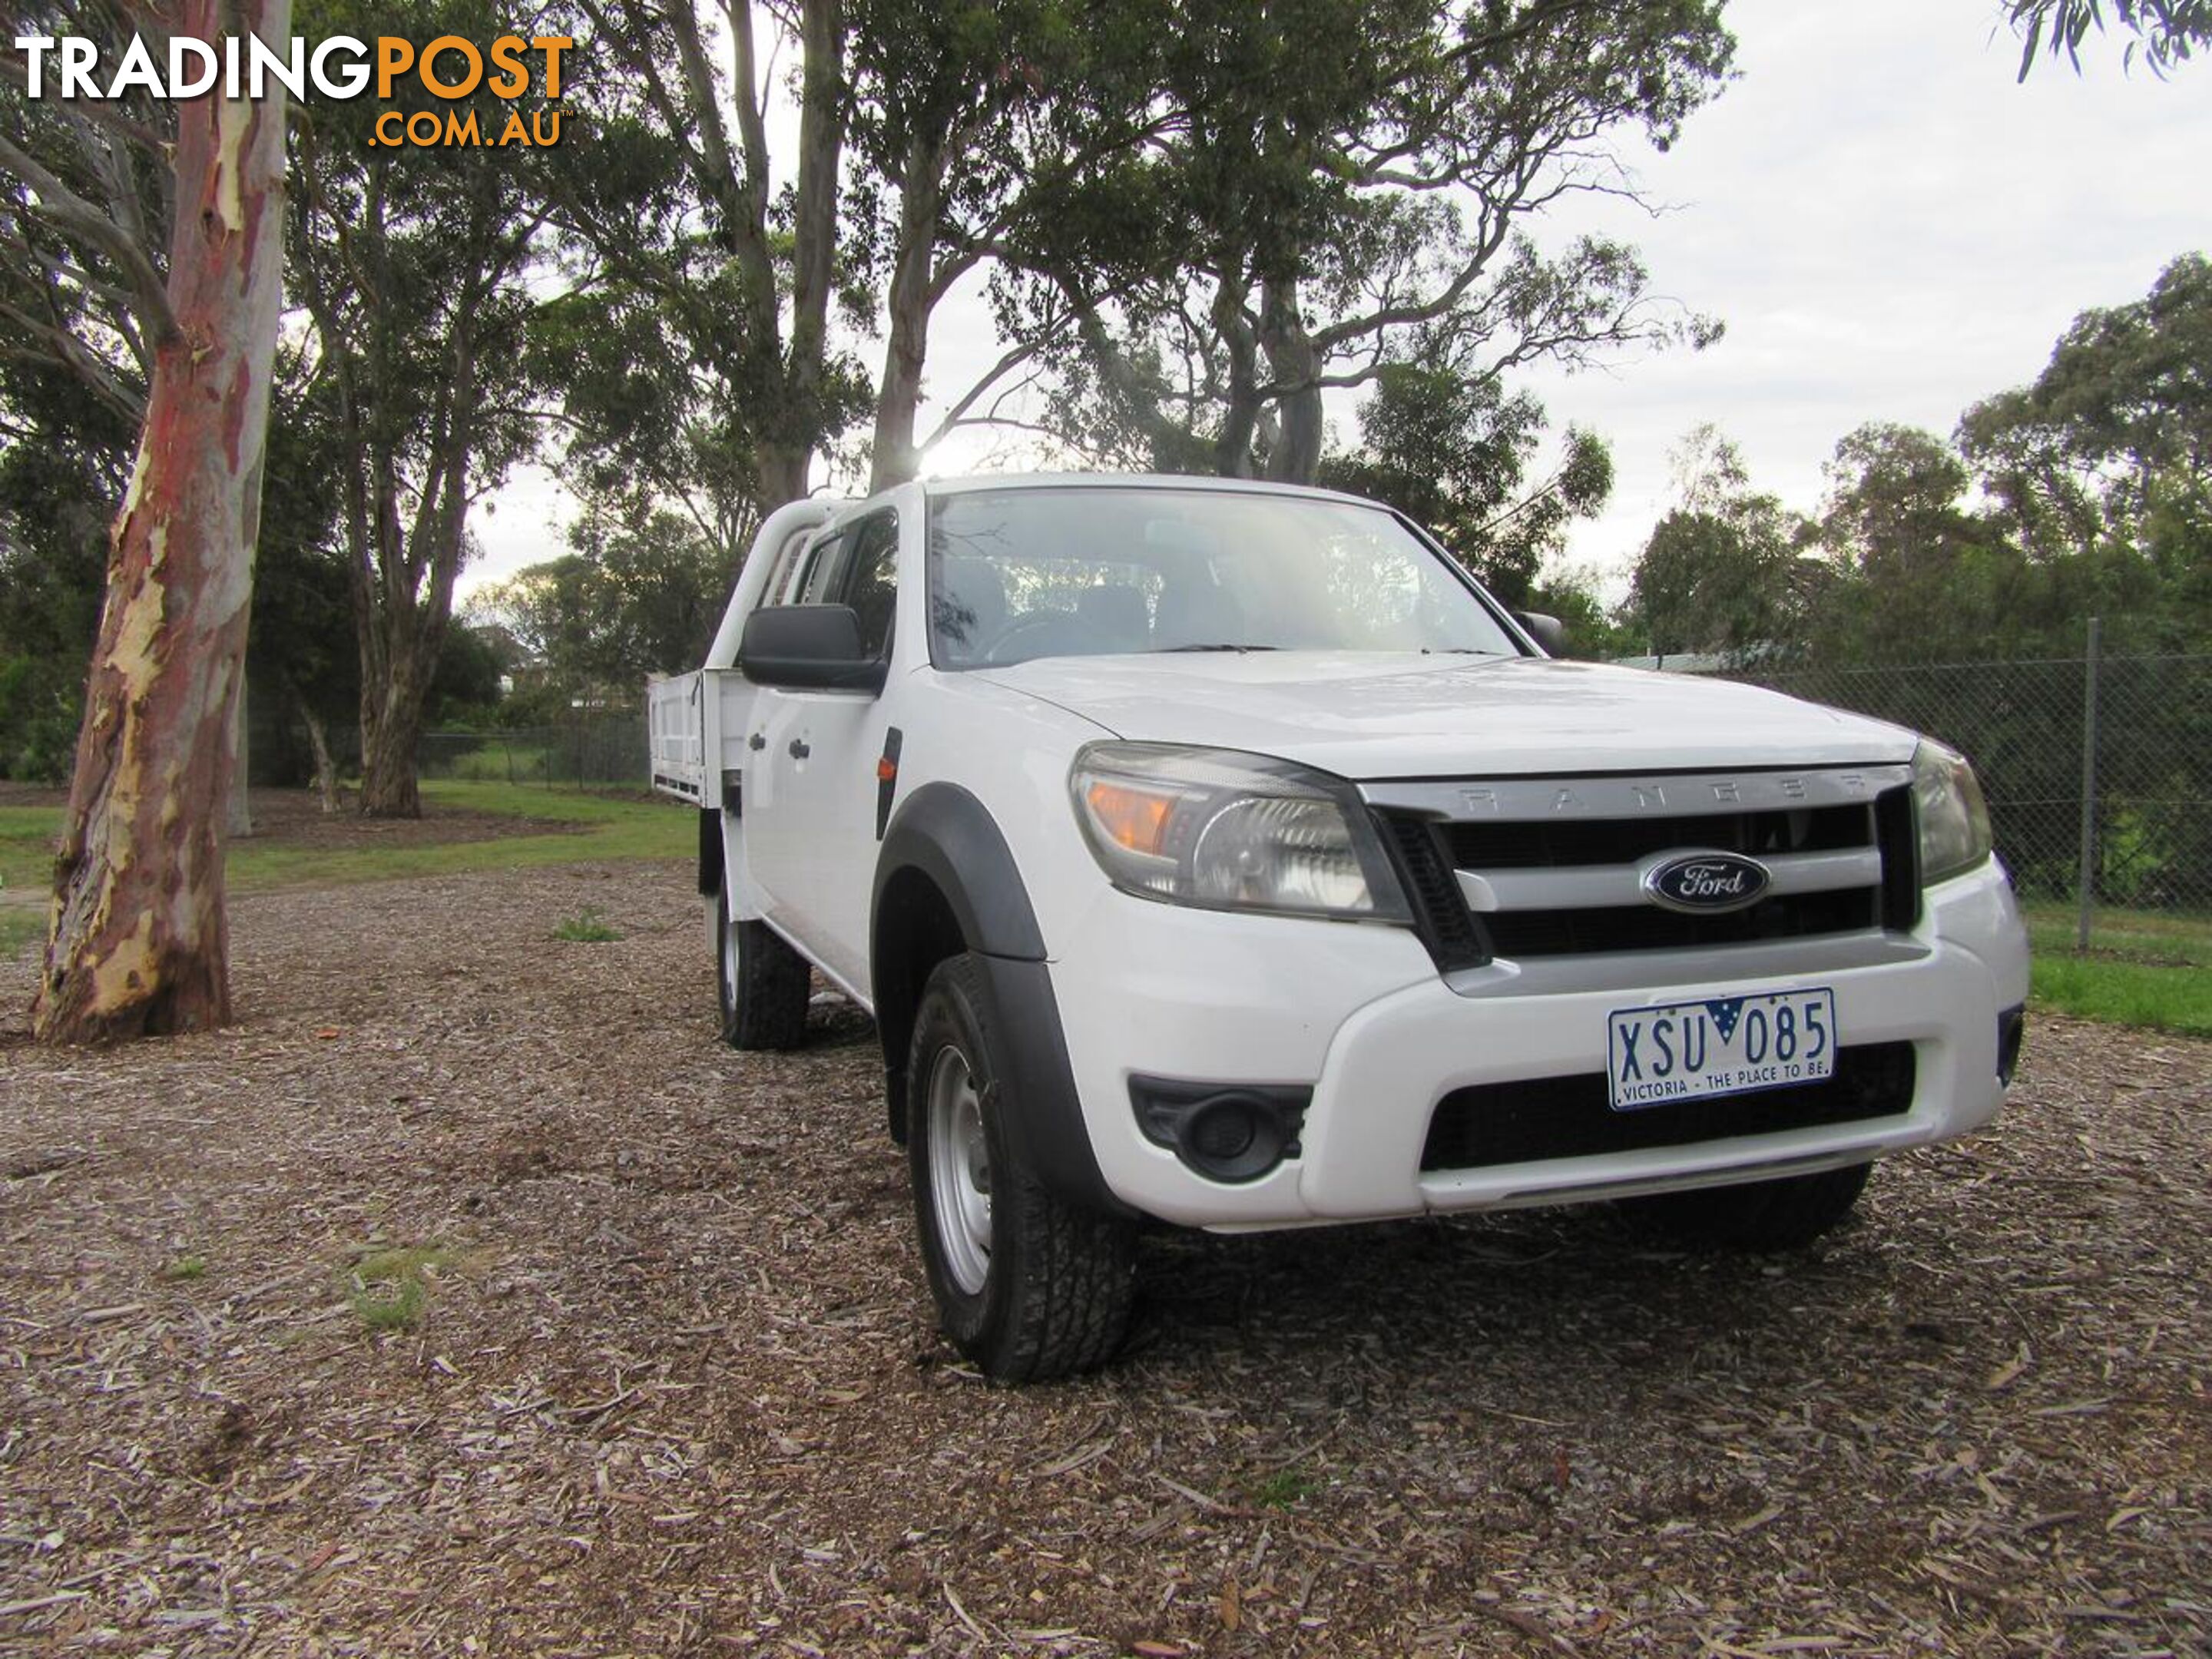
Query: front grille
[1548, 845]
[1445, 924]
[1896, 827]
[1552, 1117]
[1543, 881]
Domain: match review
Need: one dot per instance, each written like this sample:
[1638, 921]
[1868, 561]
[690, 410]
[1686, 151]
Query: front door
[811, 822]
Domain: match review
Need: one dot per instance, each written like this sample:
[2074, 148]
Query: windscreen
[1100, 571]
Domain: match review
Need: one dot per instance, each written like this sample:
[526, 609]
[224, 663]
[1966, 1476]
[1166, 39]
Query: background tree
[1913, 573]
[1721, 572]
[628, 601]
[138, 940]
[1319, 216]
[928, 132]
[2101, 468]
[2167, 32]
[714, 256]
[84, 217]
[64, 462]
[415, 268]
[303, 651]
[1453, 454]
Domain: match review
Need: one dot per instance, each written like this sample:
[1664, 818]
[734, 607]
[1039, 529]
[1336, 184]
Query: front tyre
[763, 983]
[1028, 1286]
[1786, 1214]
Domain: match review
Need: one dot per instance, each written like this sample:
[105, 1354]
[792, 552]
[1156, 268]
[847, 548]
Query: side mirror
[808, 647]
[1545, 630]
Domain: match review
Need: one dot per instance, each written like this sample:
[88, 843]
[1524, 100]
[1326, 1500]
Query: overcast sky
[1889, 227]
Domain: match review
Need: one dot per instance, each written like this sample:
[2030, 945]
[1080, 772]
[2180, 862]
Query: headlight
[1954, 819]
[1231, 831]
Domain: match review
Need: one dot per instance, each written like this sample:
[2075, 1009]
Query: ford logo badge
[1701, 883]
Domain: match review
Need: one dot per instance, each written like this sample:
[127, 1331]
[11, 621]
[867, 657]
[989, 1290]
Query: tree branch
[70, 212]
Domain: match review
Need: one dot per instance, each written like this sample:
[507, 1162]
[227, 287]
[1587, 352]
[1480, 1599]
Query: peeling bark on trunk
[240, 816]
[137, 942]
[392, 730]
[1240, 419]
[326, 769]
[1295, 367]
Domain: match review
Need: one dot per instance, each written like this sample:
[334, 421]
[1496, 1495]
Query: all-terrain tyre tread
[1073, 1310]
[1065, 1308]
[767, 1007]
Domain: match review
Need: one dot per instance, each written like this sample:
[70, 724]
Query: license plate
[1721, 1046]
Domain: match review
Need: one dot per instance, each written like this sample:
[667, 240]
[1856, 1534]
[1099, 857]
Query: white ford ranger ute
[1219, 854]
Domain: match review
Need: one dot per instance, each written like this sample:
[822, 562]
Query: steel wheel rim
[959, 1171]
[729, 931]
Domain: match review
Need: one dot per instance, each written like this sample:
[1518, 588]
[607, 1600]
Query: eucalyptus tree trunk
[326, 769]
[1242, 404]
[1294, 367]
[822, 93]
[893, 458]
[237, 822]
[403, 579]
[137, 942]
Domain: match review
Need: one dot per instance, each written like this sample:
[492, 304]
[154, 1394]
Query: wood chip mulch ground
[657, 1374]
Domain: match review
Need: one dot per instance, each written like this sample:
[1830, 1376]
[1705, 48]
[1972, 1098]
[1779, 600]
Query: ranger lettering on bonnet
[1218, 854]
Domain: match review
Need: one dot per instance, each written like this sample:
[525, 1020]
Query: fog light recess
[1226, 1131]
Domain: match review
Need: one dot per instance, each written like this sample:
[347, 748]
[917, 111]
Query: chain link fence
[2098, 770]
[596, 751]
[2098, 775]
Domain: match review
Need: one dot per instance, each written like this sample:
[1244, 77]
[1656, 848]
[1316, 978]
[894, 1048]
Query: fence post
[2087, 883]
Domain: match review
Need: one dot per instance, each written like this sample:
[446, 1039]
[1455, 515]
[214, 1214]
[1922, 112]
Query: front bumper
[1361, 1014]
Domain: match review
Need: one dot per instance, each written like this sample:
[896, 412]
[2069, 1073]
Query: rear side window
[872, 583]
[858, 566]
[783, 576]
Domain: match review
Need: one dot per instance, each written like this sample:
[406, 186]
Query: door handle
[757, 742]
[800, 749]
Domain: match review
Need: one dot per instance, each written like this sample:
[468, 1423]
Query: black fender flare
[945, 835]
[949, 836]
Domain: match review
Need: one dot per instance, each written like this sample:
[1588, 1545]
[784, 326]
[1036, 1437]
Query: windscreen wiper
[1171, 648]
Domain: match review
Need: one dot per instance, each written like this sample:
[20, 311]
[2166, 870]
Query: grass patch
[597, 828]
[587, 927]
[2144, 968]
[390, 1288]
[184, 1269]
[2165, 938]
[1283, 1489]
[20, 928]
[551, 826]
[28, 835]
[2126, 993]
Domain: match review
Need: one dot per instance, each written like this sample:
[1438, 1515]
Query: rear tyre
[763, 984]
[1028, 1286]
[1760, 1215]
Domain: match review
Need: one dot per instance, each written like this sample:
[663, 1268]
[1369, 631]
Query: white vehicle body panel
[1366, 715]
[1360, 1013]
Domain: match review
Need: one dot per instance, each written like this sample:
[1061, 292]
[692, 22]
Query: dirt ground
[673, 1386]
